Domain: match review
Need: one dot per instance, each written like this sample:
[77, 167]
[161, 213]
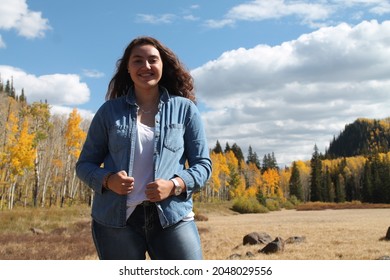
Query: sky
[279, 76]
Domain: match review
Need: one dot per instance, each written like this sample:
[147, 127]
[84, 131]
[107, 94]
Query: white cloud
[65, 111]
[15, 14]
[211, 23]
[286, 98]
[382, 8]
[57, 89]
[154, 19]
[261, 10]
[92, 73]
[258, 10]
[311, 13]
[190, 18]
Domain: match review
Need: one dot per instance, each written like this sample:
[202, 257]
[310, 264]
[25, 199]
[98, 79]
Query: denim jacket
[180, 149]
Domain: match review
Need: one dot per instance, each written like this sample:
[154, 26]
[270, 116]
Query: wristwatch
[178, 188]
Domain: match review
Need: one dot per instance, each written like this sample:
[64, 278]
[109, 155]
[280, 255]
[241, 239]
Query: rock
[254, 238]
[36, 231]
[295, 239]
[387, 237]
[274, 247]
[234, 257]
[384, 258]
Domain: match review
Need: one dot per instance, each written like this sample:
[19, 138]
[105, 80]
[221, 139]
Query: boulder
[273, 247]
[254, 238]
[295, 239]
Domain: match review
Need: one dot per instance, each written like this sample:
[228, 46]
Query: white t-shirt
[143, 169]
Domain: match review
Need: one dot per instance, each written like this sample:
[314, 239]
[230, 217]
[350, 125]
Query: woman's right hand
[120, 183]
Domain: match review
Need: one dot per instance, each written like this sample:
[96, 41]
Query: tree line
[38, 153]
[364, 178]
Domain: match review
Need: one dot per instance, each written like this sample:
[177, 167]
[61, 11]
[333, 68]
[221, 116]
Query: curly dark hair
[175, 77]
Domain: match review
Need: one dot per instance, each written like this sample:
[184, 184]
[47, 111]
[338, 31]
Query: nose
[147, 64]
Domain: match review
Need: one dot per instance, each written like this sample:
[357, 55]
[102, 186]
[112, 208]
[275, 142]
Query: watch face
[177, 190]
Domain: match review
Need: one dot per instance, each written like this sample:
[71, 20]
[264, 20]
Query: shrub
[288, 205]
[272, 204]
[294, 200]
[248, 205]
[260, 198]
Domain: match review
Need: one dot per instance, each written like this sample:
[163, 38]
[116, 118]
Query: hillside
[362, 137]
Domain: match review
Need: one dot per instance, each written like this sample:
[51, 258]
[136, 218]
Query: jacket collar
[164, 95]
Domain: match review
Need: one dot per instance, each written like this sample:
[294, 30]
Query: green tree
[295, 184]
[316, 175]
[227, 148]
[238, 154]
[367, 188]
[269, 162]
[340, 188]
[253, 158]
[217, 149]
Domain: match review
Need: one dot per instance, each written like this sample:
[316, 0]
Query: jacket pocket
[174, 137]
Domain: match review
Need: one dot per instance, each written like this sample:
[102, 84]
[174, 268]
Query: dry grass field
[349, 234]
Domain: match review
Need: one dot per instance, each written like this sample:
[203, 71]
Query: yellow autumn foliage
[74, 135]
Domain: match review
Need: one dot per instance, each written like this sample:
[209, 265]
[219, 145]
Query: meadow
[330, 234]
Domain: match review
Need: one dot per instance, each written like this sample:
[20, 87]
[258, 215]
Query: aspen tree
[74, 137]
[22, 155]
[40, 115]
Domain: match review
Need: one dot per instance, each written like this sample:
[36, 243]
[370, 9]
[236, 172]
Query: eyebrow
[141, 56]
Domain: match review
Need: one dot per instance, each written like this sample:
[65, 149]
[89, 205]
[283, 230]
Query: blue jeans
[144, 233]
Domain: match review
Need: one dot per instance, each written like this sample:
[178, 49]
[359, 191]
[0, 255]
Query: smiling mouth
[146, 75]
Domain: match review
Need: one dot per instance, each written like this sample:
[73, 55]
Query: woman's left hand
[159, 190]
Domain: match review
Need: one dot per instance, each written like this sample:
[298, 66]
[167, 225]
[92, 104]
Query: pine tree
[340, 189]
[253, 158]
[227, 148]
[238, 153]
[327, 190]
[367, 188]
[316, 175]
[295, 184]
[22, 98]
[269, 162]
[217, 149]
[7, 88]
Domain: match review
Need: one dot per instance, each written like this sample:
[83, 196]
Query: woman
[145, 155]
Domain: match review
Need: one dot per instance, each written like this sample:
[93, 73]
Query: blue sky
[278, 75]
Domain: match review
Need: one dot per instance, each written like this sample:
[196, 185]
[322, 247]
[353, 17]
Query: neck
[147, 97]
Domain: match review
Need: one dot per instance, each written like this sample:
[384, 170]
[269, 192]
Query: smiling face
[145, 67]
